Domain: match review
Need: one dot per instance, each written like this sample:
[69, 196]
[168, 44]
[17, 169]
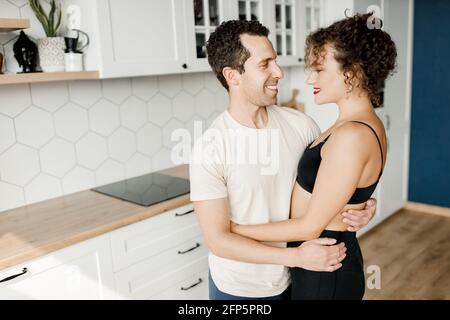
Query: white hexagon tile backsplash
[49, 96]
[63, 137]
[133, 113]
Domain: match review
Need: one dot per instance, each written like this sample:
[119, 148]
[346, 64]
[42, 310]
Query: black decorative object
[71, 40]
[1, 63]
[26, 53]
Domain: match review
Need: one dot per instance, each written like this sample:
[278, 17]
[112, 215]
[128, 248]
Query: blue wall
[429, 174]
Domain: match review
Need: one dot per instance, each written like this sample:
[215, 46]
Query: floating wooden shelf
[8, 25]
[47, 77]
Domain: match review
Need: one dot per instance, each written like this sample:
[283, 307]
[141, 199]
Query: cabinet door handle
[184, 65]
[183, 214]
[24, 270]
[193, 248]
[191, 286]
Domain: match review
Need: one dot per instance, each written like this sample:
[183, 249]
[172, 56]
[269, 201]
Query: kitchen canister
[73, 61]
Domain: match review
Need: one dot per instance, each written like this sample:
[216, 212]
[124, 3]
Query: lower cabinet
[184, 278]
[194, 287]
[162, 257]
[81, 271]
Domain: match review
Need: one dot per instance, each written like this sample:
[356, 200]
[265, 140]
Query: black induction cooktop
[146, 190]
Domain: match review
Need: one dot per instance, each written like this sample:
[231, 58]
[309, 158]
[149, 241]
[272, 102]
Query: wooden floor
[412, 250]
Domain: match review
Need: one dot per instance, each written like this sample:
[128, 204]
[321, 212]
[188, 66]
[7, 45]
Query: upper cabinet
[202, 17]
[250, 10]
[145, 37]
[314, 15]
[141, 37]
[289, 31]
[284, 18]
[150, 37]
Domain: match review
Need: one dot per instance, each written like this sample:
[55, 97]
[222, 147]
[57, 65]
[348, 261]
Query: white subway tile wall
[62, 137]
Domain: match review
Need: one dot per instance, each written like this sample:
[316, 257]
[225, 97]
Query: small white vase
[51, 54]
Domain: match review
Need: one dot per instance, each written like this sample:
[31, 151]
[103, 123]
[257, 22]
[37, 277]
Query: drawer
[152, 236]
[80, 271]
[153, 275]
[194, 287]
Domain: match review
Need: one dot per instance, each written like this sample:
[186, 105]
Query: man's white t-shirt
[256, 170]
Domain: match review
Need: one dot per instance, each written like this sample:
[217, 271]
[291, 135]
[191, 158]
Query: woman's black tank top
[308, 167]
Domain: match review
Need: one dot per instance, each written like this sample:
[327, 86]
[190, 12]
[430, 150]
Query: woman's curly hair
[224, 47]
[366, 54]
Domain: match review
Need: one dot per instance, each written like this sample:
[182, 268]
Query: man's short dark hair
[225, 49]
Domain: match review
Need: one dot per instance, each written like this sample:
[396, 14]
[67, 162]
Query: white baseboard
[428, 208]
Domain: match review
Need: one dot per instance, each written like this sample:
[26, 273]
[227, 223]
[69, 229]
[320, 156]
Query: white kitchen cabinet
[392, 190]
[81, 271]
[148, 37]
[314, 14]
[161, 254]
[251, 10]
[161, 257]
[141, 37]
[285, 20]
[201, 19]
[288, 29]
[152, 37]
[149, 237]
[261, 10]
[397, 21]
[194, 285]
[397, 105]
[176, 269]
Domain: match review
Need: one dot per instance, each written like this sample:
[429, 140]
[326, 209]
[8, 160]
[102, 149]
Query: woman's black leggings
[347, 282]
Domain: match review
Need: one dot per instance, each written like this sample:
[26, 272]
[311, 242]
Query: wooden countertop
[37, 229]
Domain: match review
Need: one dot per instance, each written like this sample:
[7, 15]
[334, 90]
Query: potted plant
[51, 48]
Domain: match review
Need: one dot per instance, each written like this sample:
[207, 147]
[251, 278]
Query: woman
[349, 62]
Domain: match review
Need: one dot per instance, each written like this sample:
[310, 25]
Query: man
[224, 188]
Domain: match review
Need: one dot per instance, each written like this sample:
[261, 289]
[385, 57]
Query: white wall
[334, 9]
[324, 115]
